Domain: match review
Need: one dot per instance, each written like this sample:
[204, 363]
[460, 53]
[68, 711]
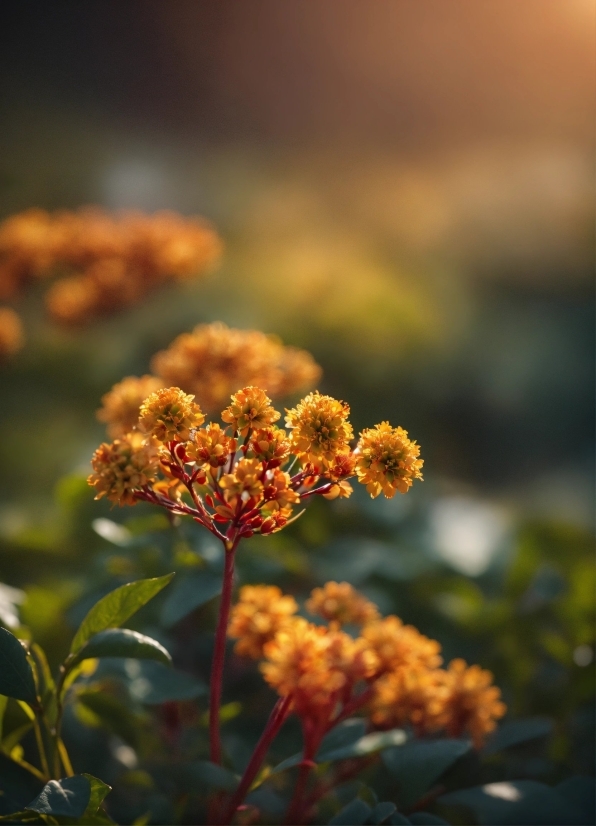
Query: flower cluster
[105, 262]
[390, 671]
[212, 362]
[11, 332]
[232, 479]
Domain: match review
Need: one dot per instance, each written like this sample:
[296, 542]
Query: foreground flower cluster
[231, 479]
[211, 362]
[105, 262]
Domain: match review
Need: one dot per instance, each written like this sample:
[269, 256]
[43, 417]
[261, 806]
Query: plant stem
[276, 719]
[40, 747]
[295, 807]
[219, 651]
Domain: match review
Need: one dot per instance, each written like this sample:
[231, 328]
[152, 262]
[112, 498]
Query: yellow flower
[339, 602]
[277, 492]
[122, 467]
[414, 696]
[399, 645]
[121, 405]
[211, 445]
[387, 461]
[251, 409]
[320, 429]
[11, 332]
[245, 480]
[473, 704]
[169, 415]
[261, 612]
[271, 445]
[214, 360]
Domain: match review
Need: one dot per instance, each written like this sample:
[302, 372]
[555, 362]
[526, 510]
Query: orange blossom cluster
[248, 475]
[390, 670]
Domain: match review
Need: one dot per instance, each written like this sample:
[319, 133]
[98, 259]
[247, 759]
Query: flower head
[387, 461]
[260, 613]
[398, 645]
[245, 481]
[277, 492]
[415, 696]
[211, 445]
[169, 415]
[214, 360]
[320, 430]
[473, 703]
[121, 405]
[339, 602]
[270, 445]
[122, 467]
[251, 409]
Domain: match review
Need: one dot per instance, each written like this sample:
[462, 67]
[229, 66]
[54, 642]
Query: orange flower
[122, 467]
[340, 603]
[415, 696]
[261, 612]
[277, 492]
[473, 703]
[211, 445]
[320, 430]
[121, 405]
[251, 409]
[399, 645]
[387, 461]
[11, 332]
[270, 445]
[169, 415]
[245, 481]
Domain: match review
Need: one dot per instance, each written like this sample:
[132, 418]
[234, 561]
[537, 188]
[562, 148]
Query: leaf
[344, 734]
[514, 732]
[419, 763]
[156, 684]
[397, 819]
[17, 785]
[116, 607]
[112, 714]
[99, 790]
[210, 775]
[16, 674]
[355, 813]
[187, 595]
[517, 801]
[3, 701]
[370, 743]
[68, 797]
[122, 642]
[382, 811]
[581, 792]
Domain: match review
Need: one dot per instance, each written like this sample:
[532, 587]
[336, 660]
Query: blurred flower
[262, 610]
[320, 430]
[122, 467]
[387, 460]
[398, 645]
[473, 703]
[11, 332]
[121, 405]
[251, 409]
[169, 415]
[415, 696]
[110, 261]
[214, 360]
[340, 603]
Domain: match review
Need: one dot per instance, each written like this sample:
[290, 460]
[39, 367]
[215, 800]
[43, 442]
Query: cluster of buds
[105, 262]
[390, 671]
[247, 476]
[211, 362]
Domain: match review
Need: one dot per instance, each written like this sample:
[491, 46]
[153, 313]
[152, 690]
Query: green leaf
[397, 819]
[419, 763]
[122, 642]
[116, 607]
[68, 797]
[355, 813]
[209, 775]
[187, 595]
[381, 812]
[516, 801]
[514, 732]
[3, 701]
[155, 684]
[99, 790]
[344, 734]
[370, 743]
[16, 674]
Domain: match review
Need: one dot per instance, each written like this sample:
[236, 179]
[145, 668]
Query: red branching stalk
[219, 651]
[276, 720]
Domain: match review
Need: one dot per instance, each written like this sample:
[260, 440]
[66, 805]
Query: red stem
[219, 652]
[276, 719]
